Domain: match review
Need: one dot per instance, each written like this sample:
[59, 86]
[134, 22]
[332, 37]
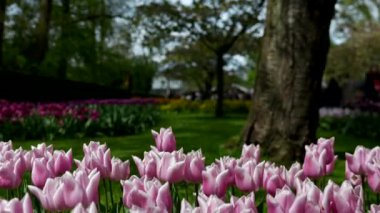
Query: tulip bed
[169, 180]
[76, 118]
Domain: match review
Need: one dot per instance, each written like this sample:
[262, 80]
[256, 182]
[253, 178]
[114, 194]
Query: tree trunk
[207, 91]
[3, 4]
[62, 69]
[43, 26]
[220, 84]
[284, 114]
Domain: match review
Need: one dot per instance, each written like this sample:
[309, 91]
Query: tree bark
[220, 84]
[43, 27]
[62, 69]
[284, 114]
[3, 4]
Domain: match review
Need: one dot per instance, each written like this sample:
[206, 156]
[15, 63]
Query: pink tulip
[373, 169]
[5, 146]
[218, 176]
[273, 177]
[16, 205]
[314, 196]
[62, 161]
[286, 202]
[170, 166]
[63, 193]
[250, 152]
[343, 199]
[328, 146]
[120, 170]
[147, 166]
[194, 165]
[375, 208]
[249, 176]
[357, 161]
[214, 204]
[50, 166]
[81, 209]
[352, 177]
[146, 194]
[294, 175]
[41, 151]
[98, 157]
[165, 140]
[244, 204]
[12, 168]
[317, 161]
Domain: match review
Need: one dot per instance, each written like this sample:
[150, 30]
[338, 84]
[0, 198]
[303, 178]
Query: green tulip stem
[111, 193]
[187, 194]
[105, 193]
[364, 192]
[378, 198]
[196, 189]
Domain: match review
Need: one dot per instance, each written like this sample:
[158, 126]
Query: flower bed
[79, 118]
[208, 106]
[170, 180]
[363, 124]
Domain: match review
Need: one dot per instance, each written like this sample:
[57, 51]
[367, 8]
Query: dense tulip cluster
[16, 205]
[243, 184]
[364, 165]
[69, 190]
[21, 120]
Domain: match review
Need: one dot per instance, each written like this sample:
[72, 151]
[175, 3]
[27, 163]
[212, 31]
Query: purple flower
[194, 165]
[16, 205]
[120, 170]
[98, 157]
[142, 193]
[171, 166]
[250, 153]
[165, 140]
[12, 168]
[357, 161]
[63, 193]
[373, 169]
[319, 159]
[344, 199]
[249, 176]
[81, 209]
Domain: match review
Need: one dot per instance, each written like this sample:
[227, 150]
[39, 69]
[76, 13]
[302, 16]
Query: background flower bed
[76, 119]
[359, 123]
[207, 106]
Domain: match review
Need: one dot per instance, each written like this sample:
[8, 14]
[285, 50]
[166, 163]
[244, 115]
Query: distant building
[164, 86]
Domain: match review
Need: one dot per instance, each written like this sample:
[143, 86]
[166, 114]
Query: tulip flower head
[12, 168]
[16, 205]
[357, 161]
[165, 140]
[373, 169]
[144, 193]
[67, 191]
[194, 165]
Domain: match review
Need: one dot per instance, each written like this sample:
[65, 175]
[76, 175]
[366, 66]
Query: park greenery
[273, 149]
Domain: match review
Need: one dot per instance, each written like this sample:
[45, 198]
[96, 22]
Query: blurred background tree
[216, 26]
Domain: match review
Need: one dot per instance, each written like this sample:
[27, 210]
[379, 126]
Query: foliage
[208, 106]
[363, 125]
[77, 119]
[352, 59]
